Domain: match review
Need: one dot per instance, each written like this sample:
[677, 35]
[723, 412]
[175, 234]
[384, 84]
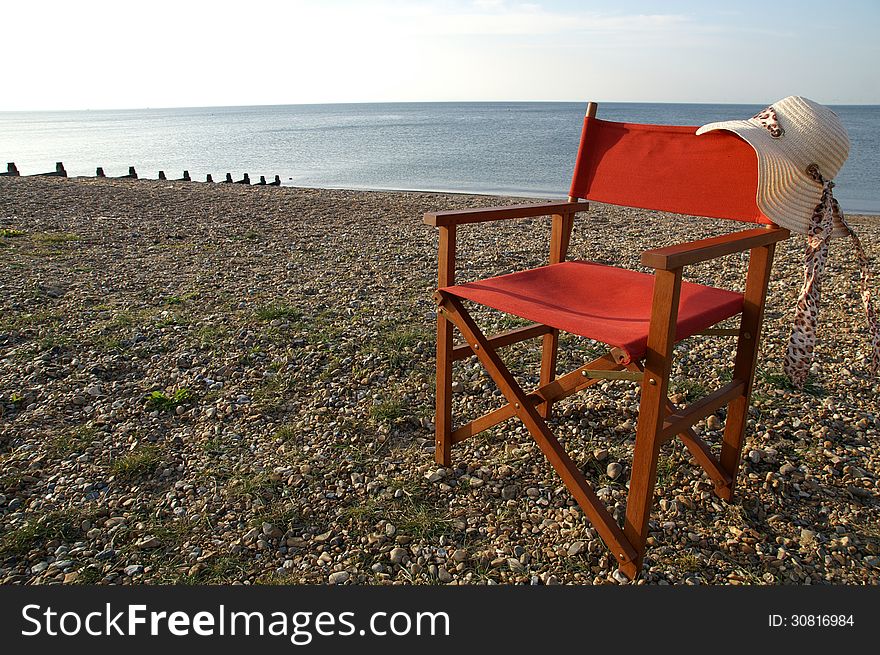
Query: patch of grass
[666, 469]
[173, 300]
[208, 336]
[163, 402]
[285, 433]
[222, 569]
[413, 514]
[780, 380]
[423, 520]
[89, 575]
[257, 485]
[66, 525]
[280, 513]
[73, 440]
[138, 463]
[387, 411]
[55, 237]
[690, 388]
[11, 233]
[688, 562]
[278, 310]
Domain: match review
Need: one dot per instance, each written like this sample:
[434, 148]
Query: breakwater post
[58, 172]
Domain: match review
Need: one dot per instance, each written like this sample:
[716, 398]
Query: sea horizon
[511, 148]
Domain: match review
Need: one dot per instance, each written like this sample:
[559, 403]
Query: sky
[81, 54]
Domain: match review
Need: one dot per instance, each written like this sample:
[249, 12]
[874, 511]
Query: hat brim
[786, 195]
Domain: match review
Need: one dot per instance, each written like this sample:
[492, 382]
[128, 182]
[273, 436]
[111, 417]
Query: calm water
[498, 148]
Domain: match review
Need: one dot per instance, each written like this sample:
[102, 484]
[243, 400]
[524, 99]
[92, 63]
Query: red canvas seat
[604, 303]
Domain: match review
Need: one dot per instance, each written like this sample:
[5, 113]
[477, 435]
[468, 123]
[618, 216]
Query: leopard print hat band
[789, 137]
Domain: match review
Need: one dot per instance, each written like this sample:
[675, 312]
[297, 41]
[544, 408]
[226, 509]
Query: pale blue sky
[168, 53]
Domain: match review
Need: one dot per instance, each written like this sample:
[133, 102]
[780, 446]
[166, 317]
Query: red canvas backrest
[668, 168]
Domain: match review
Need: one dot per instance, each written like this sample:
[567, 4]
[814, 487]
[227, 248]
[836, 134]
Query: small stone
[787, 469]
[338, 577]
[807, 537]
[39, 567]
[133, 569]
[459, 555]
[457, 387]
[443, 575]
[614, 470]
[71, 577]
[755, 456]
[713, 422]
[270, 531]
[436, 476]
[510, 492]
[398, 555]
[600, 454]
[576, 548]
[619, 577]
[94, 391]
[148, 542]
[390, 529]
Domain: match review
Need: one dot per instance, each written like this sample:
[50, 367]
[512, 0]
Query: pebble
[613, 470]
[133, 569]
[398, 555]
[510, 491]
[338, 577]
[619, 577]
[148, 542]
[272, 532]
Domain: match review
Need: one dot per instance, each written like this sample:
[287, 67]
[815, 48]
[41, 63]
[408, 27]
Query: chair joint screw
[476, 346]
[652, 381]
[516, 405]
[747, 335]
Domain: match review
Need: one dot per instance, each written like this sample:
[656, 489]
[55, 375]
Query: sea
[500, 148]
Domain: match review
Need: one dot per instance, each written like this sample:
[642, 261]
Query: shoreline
[210, 384]
[522, 196]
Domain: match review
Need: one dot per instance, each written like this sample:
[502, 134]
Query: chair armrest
[480, 215]
[682, 254]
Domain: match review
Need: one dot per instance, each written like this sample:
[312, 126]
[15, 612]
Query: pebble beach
[224, 384]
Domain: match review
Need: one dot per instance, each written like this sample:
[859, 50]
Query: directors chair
[640, 316]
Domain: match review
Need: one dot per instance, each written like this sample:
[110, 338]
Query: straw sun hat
[789, 137]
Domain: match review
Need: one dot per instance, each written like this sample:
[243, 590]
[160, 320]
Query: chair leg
[652, 412]
[443, 417]
[567, 469]
[549, 351]
[760, 263]
[643, 478]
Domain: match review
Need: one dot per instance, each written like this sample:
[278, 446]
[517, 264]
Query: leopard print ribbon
[799, 354]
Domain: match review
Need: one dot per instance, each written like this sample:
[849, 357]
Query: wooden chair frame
[659, 420]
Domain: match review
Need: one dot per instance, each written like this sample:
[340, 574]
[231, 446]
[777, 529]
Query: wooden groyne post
[58, 172]
[11, 170]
